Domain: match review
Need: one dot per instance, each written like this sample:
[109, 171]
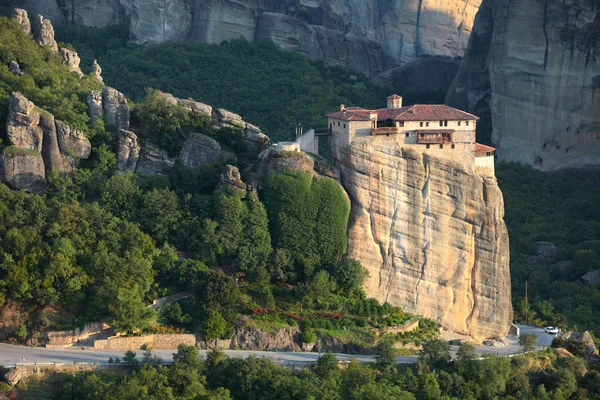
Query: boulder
[230, 177]
[94, 103]
[153, 160]
[285, 156]
[14, 375]
[254, 137]
[72, 142]
[116, 110]
[199, 149]
[71, 60]
[22, 124]
[97, 71]
[585, 338]
[128, 151]
[192, 105]
[22, 18]
[542, 252]
[227, 119]
[22, 169]
[43, 33]
[15, 69]
[592, 278]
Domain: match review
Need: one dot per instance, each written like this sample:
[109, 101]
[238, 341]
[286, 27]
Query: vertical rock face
[371, 36]
[430, 233]
[22, 170]
[116, 110]
[94, 103]
[128, 151]
[72, 142]
[21, 17]
[153, 160]
[22, 125]
[43, 33]
[199, 150]
[71, 60]
[97, 71]
[533, 68]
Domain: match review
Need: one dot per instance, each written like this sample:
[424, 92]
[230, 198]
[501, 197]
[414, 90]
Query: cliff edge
[431, 234]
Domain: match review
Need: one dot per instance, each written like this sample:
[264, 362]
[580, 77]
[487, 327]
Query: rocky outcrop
[72, 142]
[15, 69]
[592, 278]
[115, 108]
[430, 233]
[22, 125]
[231, 177]
[94, 103]
[256, 339]
[370, 36]
[43, 33]
[22, 18]
[532, 68]
[97, 71]
[153, 160]
[71, 60]
[585, 338]
[128, 151]
[285, 156]
[199, 150]
[53, 159]
[22, 169]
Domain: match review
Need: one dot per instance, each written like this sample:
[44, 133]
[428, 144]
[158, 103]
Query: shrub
[308, 337]
[20, 332]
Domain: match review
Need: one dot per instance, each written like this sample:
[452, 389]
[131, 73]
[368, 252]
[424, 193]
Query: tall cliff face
[533, 67]
[430, 233]
[370, 36]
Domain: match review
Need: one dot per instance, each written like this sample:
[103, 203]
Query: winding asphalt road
[11, 354]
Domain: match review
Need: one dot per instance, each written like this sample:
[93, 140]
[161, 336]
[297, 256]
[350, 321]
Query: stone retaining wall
[156, 342]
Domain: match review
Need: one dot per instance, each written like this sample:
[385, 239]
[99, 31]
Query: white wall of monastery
[308, 142]
[485, 166]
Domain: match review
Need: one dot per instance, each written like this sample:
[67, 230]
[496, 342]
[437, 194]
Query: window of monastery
[426, 146]
[452, 146]
[338, 123]
[406, 134]
[421, 124]
[426, 123]
[344, 126]
[458, 123]
[467, 123]
[441, 146]
[401, 124]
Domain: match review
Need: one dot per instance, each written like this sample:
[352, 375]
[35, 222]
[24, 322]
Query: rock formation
[285, 156]
[532, 67]
[23, 19]
[37, 144]
[97, 71]
[15, 69]
[128, 151]
[199, 150]
[115, 108]
[94, 103]
[22, 125]
[153, 160]
[71, 60]
[370, 36]
[430, 233]
[72, 141]
[231, 177]
[43, 33]
[22, 169]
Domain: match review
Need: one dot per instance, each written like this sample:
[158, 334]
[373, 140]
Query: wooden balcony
[385, 131]
[434, 137]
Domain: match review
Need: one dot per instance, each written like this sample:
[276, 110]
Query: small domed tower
[394, 102]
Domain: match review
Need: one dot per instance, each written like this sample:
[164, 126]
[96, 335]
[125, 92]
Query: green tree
[528, 342]
[349, 276]
[327, 365]
[130, 313]
[435, 352]
[215, 326]
[160, 215]
[386, 353]
[466, 352]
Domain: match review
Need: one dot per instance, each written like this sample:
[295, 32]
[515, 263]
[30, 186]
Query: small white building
[435, 129]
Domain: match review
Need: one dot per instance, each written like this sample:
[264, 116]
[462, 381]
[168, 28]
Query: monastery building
[434, 129]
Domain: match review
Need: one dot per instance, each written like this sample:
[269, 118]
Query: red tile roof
[394, 96]
[482, 148]
[416, 112]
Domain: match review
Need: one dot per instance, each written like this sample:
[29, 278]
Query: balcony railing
[385, 131]
[433, 139]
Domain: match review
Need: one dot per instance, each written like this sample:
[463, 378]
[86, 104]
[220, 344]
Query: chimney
[394, 102]
[342, 107]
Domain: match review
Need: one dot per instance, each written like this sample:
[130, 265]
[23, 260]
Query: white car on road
[551, 330]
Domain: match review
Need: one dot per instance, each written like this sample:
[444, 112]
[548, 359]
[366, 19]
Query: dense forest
[541, 376]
